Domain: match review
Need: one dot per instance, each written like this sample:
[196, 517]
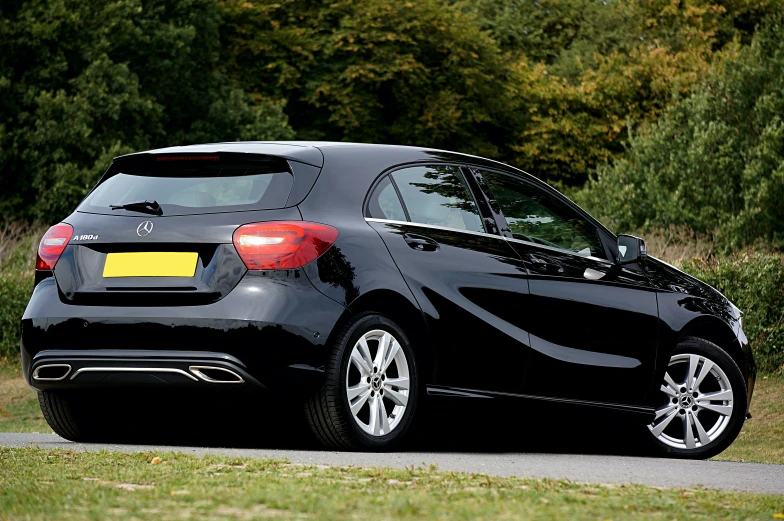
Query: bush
[18, 243]
[755, 283]
[714, 162]
[15, 290]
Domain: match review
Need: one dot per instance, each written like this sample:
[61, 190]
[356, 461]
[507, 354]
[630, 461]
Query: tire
[328, 410]
[69, 415]
[713, 424]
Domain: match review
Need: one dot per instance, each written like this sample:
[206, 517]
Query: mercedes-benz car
[371, 278]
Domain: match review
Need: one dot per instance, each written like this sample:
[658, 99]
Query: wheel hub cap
[686, 401]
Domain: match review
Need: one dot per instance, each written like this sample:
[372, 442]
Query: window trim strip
[485, 234]
[431, 226]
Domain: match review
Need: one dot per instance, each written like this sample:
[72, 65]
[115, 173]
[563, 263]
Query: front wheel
[702, 402]
[370, 391]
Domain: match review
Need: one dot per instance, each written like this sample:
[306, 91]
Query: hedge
[15, 290]
[755, 283]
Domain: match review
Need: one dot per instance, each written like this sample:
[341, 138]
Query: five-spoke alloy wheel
[702, 402]
[370, 391]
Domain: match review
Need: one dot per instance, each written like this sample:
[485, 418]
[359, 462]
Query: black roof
[310, 152]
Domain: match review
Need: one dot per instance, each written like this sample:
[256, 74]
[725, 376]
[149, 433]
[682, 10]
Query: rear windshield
[184, 185]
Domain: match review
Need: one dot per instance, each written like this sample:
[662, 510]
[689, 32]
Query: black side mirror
[630, 249]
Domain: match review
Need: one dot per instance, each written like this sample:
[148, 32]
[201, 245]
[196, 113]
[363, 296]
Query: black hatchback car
[374, 277]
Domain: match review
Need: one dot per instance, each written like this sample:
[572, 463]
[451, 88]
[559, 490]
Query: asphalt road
[749, 477]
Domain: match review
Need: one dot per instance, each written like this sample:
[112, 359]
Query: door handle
[544, 266]
[592, 274]
[420, 242]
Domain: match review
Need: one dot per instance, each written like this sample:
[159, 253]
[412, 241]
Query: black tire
[327, 410]
[718, 356]
[71, 415]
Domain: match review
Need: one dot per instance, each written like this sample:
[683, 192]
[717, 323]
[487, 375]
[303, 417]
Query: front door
[468, 283]
[593, 324]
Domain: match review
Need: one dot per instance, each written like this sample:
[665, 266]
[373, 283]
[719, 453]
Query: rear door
[593, 324]
[468, 281]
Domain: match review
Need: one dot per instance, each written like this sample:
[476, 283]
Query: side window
[438, 195]
[384, 202]
[536, 216]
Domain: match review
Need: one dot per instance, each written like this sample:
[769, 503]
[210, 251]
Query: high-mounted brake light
[52, 246]
[282, 245]
[187, 158]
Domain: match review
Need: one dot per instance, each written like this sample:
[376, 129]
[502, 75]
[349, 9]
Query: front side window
[536, 216]
[438, 195]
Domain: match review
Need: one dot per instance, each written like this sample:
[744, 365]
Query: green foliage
[17, 263]
[549, 86]
[715, 161]
[755, 283]
[82, 82]
[15, 291]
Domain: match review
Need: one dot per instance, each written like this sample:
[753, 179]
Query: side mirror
[630, 249]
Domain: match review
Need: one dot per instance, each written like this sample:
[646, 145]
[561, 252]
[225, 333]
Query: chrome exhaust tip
[216, 375]
[51, 372]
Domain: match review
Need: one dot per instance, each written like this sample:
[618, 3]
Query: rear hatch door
[157, 229]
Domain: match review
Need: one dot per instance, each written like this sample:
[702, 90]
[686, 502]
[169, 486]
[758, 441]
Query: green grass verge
[761, 440]
[19, 411]
[762, 437]
[37, 483]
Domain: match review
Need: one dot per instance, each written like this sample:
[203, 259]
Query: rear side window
[384, 202]
[193, 184]
[437, 195]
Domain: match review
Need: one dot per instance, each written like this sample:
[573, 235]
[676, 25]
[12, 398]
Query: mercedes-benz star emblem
[144, 229]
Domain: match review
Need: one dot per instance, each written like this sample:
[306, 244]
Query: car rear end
[180, 269]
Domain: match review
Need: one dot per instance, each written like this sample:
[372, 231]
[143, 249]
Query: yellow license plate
[151, 264]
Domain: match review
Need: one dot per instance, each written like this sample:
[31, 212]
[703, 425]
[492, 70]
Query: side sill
[452, 392]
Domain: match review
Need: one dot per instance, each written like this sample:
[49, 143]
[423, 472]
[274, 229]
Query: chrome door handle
[420, 242]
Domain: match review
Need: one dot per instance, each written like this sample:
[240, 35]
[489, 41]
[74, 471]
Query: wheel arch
[717, 332]
[404, 313]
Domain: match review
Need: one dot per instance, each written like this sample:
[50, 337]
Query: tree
[715, 160]
[82, 82]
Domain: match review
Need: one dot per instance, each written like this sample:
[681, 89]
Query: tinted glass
[438, 195]
[193, 187]
[539, 217]
[384, 202]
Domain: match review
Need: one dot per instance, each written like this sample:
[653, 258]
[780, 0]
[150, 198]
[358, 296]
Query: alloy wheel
[696, 405]
[377, 382]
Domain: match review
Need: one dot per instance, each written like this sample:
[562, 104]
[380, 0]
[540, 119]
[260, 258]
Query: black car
[371, 278]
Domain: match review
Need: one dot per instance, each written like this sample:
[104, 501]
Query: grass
[42, 484]
[19, 411]
[762, 437]
[761, 440]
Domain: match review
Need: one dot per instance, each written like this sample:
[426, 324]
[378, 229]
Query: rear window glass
[190, 186]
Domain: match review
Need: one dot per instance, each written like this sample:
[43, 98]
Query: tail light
[52, 246]
[282, 245]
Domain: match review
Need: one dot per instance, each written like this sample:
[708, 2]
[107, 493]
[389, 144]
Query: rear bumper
[270, 330]
[77, 369]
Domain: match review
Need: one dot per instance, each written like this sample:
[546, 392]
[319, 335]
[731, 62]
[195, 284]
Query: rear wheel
[370, 391]
[702, 402]
[71, 415]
